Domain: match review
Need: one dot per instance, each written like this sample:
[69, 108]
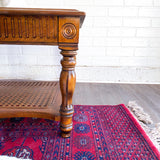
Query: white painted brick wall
[123, 11]
[156, 2]
[138, 2]
[119, 42]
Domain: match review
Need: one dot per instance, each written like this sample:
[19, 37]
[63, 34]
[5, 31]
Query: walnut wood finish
[28, 29]
[49, 27]
[67, 85]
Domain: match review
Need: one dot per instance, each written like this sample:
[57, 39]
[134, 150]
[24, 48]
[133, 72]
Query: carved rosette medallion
[69, 30]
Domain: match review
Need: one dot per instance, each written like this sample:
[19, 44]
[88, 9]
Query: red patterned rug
[99, 133]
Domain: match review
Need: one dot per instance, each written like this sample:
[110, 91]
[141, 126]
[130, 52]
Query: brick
[10, 50]
[149, 12]
[44, 4]
[77, 2]
[119, 51]
[109, 2]
[138, 2]
[94, 32]
[40, 72]
[154, 61]
[123, 11]
[91, 51]
[148, 32]
[99, 32]
[99, 41]
[147, 52]
[88, 22]
[156, 22]
[28, 59]
[105, 61]
[85, 41]
[113, 42]
[121, 32]
[154, 42]
[118, 74]
[110, 41]
[135, 42]
[53, 51]
[14, 60]
[83, 61]
[102, 75]
[107, 21]
[82, 74]
[36, 50]
[86, 32]
[151, 75]
[156, 2]
[5, 72]
[4, 60]
[14, 3]
[48, 60]
[94, 11]
[22, 59]
[134, 61]
[14, 72]
[136, 22]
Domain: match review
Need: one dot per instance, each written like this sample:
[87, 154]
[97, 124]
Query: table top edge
[41, 11]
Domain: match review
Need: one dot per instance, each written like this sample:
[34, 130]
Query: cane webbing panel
[26, 94]
[30, 96]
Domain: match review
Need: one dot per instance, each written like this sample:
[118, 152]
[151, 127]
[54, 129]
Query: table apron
[19, 29]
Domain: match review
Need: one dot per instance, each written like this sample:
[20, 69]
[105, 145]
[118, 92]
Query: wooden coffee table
[40, 98]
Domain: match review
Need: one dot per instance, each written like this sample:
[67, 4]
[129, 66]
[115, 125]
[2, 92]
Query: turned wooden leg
[67, 86]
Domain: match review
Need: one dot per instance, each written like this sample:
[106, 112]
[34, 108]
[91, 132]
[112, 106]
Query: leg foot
[66, 121]
[65, 134]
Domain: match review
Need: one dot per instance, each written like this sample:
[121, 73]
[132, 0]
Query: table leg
[67, 86]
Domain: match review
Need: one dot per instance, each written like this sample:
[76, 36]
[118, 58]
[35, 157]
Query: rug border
[155, 150]
[142, 131]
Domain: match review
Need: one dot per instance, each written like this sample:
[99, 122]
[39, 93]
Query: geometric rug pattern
[99, 133]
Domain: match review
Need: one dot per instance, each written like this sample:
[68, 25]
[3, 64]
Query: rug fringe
[144, 119]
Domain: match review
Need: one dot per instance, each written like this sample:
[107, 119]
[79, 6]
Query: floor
[145, 95]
